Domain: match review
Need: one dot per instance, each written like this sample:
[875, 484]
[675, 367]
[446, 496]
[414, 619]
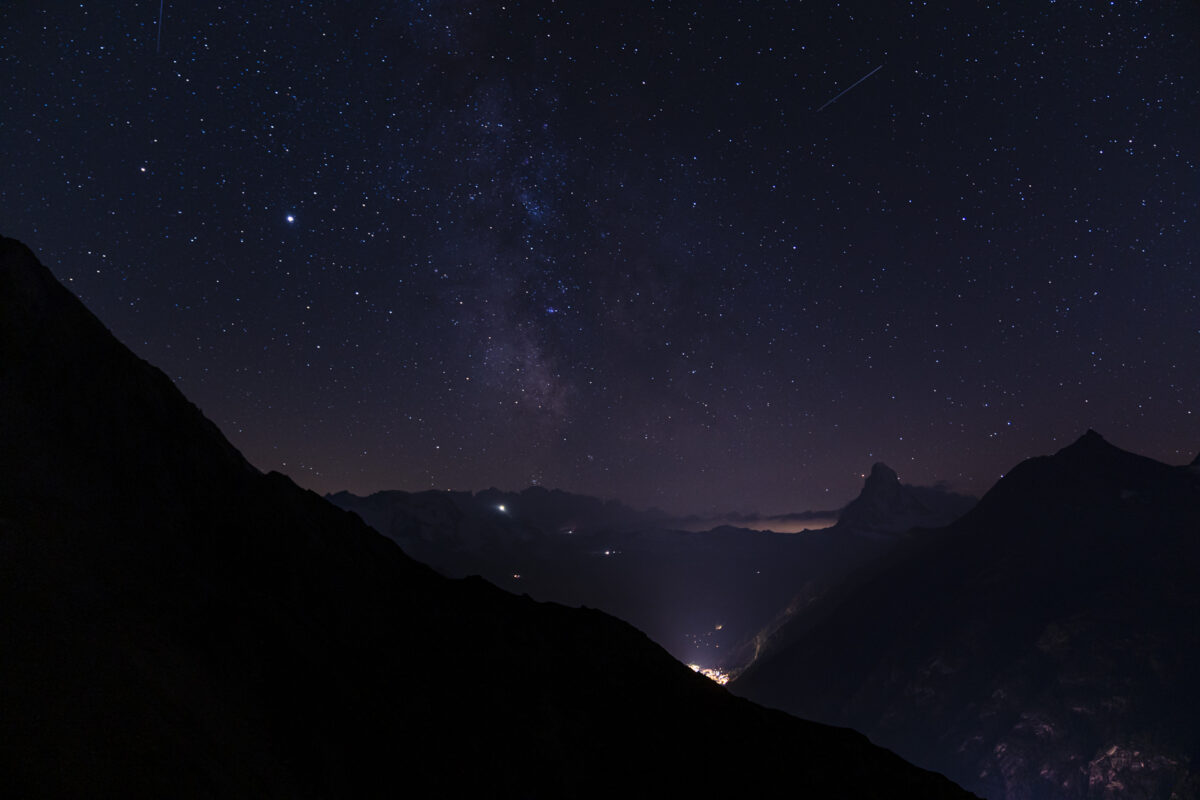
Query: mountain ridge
[179, 624]
[686, 589]
[1040, 646]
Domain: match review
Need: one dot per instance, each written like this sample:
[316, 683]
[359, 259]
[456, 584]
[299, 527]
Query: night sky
[632, 249]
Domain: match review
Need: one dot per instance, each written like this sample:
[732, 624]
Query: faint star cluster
[614, 247]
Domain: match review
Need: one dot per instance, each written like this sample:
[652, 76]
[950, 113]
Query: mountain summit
[885, 505]
[1042, 646]
[1088, 452]
[177, 624]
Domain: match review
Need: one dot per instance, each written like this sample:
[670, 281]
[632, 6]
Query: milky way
[613, 248]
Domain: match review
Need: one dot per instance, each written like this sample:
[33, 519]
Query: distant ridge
[686, 589]
[1044, 645]
[177, 624]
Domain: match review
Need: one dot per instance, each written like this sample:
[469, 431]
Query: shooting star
[158, 47]
[848, 88]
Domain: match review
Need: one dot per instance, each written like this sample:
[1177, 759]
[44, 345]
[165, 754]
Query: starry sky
[705, 256]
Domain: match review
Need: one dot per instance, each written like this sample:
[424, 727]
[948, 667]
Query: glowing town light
[713, 674]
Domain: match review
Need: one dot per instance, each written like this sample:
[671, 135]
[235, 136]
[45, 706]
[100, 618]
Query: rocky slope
[1044, 646]
[698, 594]
[706, 596]
[177, 624]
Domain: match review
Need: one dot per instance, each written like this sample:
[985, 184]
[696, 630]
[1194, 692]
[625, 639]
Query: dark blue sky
[616, 248]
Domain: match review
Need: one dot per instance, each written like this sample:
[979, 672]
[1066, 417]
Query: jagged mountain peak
[882, 473]
[885, 505]
[1021, 648]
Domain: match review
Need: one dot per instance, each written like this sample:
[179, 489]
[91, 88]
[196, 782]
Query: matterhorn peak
[882, 473]
[887, 506]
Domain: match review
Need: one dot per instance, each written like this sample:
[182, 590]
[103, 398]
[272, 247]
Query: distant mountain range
[177, 624]
[1045, 645]
[706, 596]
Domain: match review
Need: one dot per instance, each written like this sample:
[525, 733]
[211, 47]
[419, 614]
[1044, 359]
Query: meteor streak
[848, 88]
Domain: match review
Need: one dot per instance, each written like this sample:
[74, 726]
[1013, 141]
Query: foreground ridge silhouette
[178, 624]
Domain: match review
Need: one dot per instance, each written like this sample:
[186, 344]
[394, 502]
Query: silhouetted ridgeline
[1044, 646]
[710, 597]
[177, 624]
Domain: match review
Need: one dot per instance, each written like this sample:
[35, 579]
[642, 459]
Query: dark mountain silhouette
[698, 594]
[177, 624]
[440, 527]
[882, 516]
[1043, 646]
[887, 506]
[706, 596]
